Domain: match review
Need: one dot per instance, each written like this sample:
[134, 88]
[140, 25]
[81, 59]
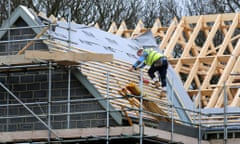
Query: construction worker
[157, 62]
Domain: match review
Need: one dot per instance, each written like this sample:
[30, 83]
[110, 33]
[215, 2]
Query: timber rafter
[206, 65]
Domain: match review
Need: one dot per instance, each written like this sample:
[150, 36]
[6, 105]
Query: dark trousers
[161, 69]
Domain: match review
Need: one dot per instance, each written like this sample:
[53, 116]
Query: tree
[6, 7]
[104, 12]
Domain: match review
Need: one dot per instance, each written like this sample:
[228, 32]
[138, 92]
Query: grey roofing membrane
[178, 96]
[97, 41]
[220, 111]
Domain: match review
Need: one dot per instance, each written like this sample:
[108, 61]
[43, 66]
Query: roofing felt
[98, 41]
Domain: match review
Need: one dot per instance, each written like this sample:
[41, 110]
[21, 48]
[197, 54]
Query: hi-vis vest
[152, 56]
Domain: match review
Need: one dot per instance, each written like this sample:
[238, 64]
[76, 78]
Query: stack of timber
[133, 94]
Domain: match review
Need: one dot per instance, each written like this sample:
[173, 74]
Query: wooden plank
[205, 59]
[68, 56]
[154, 108]
[128, 118]
[32, 41]
[100, 80]
[177, 137]
[236, 100]
[203, 92]
[42, 135]
[209, 18]
[14, 60]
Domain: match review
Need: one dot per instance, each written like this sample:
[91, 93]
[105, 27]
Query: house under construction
[63, 82]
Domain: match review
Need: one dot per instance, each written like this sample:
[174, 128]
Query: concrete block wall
[12, 48]
[32, 88]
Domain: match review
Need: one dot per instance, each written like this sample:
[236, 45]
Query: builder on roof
[157, 62]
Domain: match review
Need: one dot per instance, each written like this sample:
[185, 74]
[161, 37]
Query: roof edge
[25, 14]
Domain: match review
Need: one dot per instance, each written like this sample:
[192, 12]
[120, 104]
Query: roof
[27, 15]
[198, 64]
[81, 38]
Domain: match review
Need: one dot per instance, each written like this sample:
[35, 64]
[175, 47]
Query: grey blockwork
[39, 96]
[32, 87]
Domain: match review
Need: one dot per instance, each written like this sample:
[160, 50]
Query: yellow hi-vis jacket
[152, 56]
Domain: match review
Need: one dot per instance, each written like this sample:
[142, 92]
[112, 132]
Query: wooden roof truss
[207, 67]
[207, 53]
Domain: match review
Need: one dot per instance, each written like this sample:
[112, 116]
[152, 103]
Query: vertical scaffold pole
[8, 48]
[199, 116]
[49, 98]
[69, 97]
[69, 29]
[69, 70]
[172, 115]
[108, 105]
[225, 113]
[141, 108]
[9, 31]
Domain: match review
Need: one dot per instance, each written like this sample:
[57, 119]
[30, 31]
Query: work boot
[164, 89]
[157, 84]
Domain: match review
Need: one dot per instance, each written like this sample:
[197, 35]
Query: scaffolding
[108, 98]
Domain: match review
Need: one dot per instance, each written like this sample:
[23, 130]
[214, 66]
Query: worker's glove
[131, 69]
[137, 69]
